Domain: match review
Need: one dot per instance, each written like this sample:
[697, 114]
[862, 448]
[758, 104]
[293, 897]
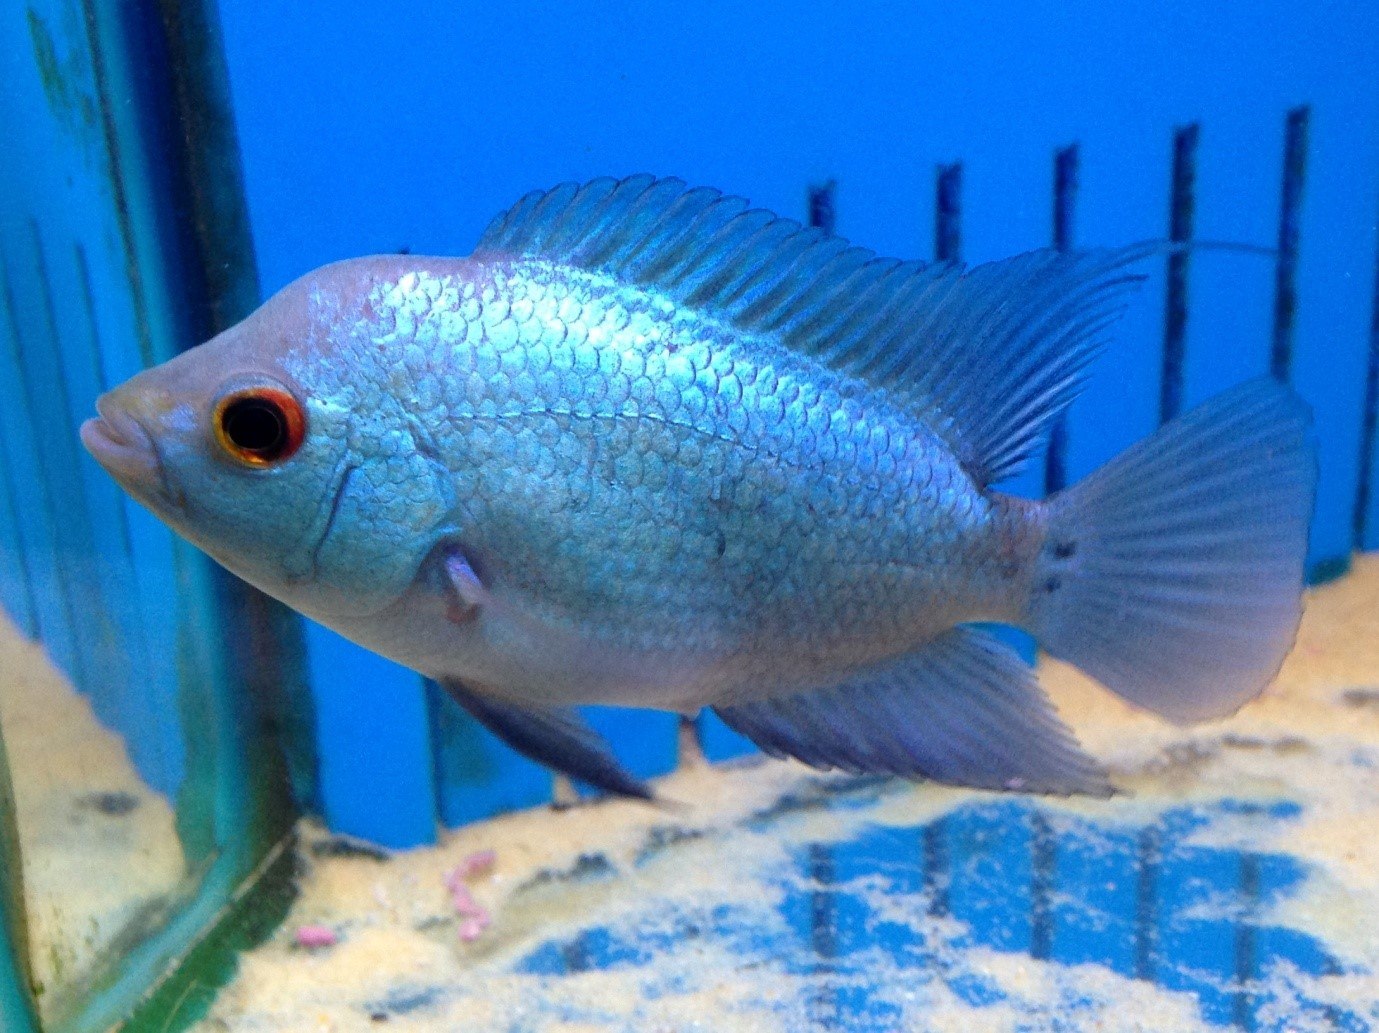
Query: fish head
[286, 449]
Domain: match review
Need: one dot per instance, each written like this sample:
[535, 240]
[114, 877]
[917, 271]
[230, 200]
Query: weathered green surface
[186, 996]
[16, 998]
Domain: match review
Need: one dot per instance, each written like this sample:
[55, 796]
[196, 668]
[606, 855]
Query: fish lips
[122, 445]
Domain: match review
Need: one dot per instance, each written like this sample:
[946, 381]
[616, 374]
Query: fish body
[648, 447]
[667, 511]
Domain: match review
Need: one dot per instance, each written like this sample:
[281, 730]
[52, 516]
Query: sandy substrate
[100, 849]
[401, 959]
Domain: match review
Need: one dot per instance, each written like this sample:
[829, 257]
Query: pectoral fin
[964, 710]
[465, 593]
[556, 738]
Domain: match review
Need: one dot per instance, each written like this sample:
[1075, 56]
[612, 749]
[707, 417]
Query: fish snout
[120, 439]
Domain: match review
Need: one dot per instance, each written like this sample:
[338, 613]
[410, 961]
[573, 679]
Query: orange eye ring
[259, 426]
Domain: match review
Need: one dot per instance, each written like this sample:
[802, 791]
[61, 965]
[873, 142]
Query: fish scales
[659, 482]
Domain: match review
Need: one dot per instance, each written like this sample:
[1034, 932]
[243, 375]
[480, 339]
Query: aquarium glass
[141, 792]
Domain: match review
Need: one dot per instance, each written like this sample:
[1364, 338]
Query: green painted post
[188, 230]
[18, 1011]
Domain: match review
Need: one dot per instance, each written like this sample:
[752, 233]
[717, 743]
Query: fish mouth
[125, 449]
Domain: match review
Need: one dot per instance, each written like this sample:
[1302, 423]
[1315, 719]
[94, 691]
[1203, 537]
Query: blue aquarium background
[920, 128]
[951, 131]
[365, 129]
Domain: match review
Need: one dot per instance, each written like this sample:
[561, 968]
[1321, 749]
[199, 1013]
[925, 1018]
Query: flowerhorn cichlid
[648, 446]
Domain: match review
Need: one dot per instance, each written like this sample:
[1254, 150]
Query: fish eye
[260, 426]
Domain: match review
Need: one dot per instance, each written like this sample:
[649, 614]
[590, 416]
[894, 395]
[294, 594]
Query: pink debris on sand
[462, 899]
[472, 927]
[478, 864]
[312, 937]
[474, 917]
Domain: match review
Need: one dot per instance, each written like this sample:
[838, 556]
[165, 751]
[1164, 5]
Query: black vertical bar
[1065, 181]
[823, 938]
[1148, 857]
[1369, 420]
[1332, 1012]
[574, 953]
[1042, 862]
[823, 207]
[1289, 227]
[689, 742]
[1242, 1004]
[1066, 165]
[1182, 206]
[936, 874]
[947, 248]
[698, 732]
[948, 213]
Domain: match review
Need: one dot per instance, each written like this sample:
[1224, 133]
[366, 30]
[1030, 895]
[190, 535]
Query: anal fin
[963, 710]
[556, 738]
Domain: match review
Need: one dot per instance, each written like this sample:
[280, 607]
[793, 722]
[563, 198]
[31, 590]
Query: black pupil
[255, 425]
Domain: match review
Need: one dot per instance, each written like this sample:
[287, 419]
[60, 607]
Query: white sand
[100, 849]
[1312, 739]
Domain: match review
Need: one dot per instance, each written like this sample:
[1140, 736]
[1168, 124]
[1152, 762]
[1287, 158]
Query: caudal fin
[1174, 574]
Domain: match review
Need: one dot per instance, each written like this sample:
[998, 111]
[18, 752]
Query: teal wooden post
[129, 211]
[187, 232]
[17, 1009]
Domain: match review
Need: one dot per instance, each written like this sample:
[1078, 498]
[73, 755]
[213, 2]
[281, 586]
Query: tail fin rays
[1174, 574]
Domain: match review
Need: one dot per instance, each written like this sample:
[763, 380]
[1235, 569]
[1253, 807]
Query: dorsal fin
[985, 356]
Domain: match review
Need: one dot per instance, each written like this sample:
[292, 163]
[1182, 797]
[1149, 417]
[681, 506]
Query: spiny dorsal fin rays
[550, 213]
[724, 283]
[589, 218]
[986, 357]
[651, 223]
[795, 296]
[762, 297]
[690, 256]
[694, 216]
